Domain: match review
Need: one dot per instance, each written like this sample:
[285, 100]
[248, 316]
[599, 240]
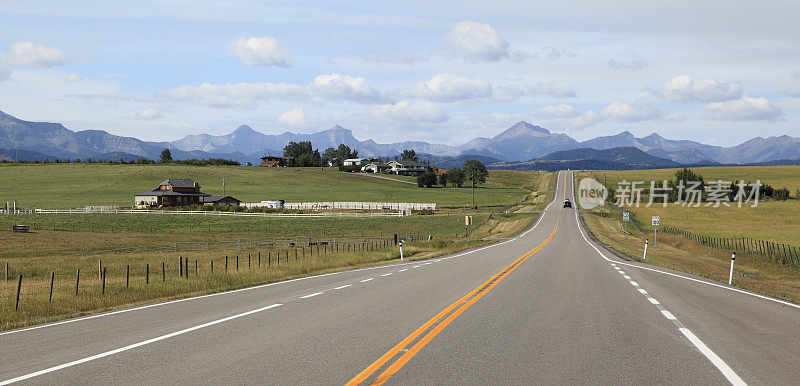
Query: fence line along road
[361, 205]
[249, 244]
[211, 213]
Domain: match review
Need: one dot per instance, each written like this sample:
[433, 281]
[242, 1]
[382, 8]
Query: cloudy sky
[716, 71]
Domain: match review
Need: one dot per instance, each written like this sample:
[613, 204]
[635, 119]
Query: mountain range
[521, 142]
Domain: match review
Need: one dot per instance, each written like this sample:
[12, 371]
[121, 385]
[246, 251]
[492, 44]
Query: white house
[375, 167]
[354, 162]
[408, 168]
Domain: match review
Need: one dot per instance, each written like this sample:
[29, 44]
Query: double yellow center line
[459, 305]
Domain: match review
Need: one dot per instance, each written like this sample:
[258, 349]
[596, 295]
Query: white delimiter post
[401, 250]
[645, 250]
[730, 277]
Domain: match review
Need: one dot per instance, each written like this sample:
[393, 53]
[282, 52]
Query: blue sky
[716, 71]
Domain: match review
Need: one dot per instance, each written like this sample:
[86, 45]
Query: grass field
[58, 186]
[51, 246]
[772, 221]
[776, 221]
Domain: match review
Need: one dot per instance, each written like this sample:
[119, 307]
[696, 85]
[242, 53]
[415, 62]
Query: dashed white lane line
[635, 284]
[621, 272]
[135, 345]
[627, 277]
[668, 315]
[387, 274]
[310, 295]
[342, 286]
[716, 360]
[723, 367]
[403, 270]
[366, 280]
[416, 266]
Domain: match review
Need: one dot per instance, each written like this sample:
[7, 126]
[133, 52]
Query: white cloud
[560, 111]
[675, 116]
[796, 74]
[632, 65]
[683, 88]
[72, 78]
[246, 95]
[450, 88]
[554, 89]
[5, 68]
[338, 86]
[633, 111]
[744, 109]
[34, 55]
[477, 42]
[260, 51]
[148, 113]
[294, 117]
[412, 112]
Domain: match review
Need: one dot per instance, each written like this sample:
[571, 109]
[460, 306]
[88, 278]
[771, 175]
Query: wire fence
[40, 288]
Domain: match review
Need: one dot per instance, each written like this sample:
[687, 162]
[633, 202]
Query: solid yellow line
[397, 365]
[391, 353]
[363, 375]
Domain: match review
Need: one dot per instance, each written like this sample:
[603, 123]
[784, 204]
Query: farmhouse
[375, 167]
[220, 200]
[274, 161]
[408, 168]
[354, 162]
[171, 192]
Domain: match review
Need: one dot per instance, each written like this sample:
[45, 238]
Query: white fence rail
[211, 213]
[360, 205]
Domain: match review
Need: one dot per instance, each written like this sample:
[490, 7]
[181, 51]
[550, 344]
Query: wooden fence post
[147, 274]
[52, 278]
[127, 275]
[19, 288]
[104, 281]
[77, 280]
[163, 272]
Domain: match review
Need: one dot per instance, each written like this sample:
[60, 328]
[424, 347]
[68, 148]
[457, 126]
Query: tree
[303, 153]
[443, 179]
[427, 179]
[409, 155]
[344, 152]
[166, 156]
[330, 155]
[476, 172]
[455, 176]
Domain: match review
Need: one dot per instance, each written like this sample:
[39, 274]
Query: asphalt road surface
[547, 307]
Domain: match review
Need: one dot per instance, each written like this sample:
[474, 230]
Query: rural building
[407, 168]
[375, 167]
[274, 161]
[354, 162]
[220, 200]
[171, 192]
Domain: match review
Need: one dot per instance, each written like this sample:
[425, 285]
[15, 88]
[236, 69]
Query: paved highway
[546, 307]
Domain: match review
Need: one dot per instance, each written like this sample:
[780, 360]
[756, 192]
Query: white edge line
[716, 360]
[668, 315]
[734, 289]
[135, 345]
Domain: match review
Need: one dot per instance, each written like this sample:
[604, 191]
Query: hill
[619, 158]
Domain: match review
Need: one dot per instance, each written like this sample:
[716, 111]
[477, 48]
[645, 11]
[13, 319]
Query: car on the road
[567, 203]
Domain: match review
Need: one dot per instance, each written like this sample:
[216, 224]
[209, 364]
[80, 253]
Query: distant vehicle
[567, 203]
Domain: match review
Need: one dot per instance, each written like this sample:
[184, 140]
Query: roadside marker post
[730, 277]
[401, 250]
[645, 250]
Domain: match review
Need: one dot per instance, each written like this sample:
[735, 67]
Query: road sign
[467, 220]
[626, 216]
[656, 220]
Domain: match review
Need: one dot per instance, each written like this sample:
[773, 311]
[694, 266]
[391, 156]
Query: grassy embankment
[43, 251]
[775, 221]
